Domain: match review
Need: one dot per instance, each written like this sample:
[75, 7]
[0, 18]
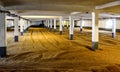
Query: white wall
[36, 23]
[102, 23]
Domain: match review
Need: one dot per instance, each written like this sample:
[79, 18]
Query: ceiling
[57, 7]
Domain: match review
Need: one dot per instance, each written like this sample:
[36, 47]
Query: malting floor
[42, 50]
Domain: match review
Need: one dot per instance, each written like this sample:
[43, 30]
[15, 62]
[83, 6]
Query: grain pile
[44, 51]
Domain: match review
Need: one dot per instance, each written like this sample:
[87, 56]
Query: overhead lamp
[73, 13]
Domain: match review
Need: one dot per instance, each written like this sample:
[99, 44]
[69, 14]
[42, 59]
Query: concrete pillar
[54, 25]
[21, 27]
[28, 23]
[16, 27]
[24, 26]
[67, 24]
[61, 23]
[50, 24]
[113, 28]
[95, 30]
[3, 41]
[71, 27]
[45, 25]
[81, 25]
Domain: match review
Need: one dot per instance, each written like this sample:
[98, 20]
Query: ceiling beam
[111, 4]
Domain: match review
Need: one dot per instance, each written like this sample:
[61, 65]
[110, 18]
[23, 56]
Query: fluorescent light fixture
[75, 13]
[40, 16]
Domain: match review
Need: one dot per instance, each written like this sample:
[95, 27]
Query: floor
[42, 50]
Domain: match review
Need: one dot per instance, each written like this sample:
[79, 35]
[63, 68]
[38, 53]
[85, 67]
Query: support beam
[113, 28]
[95, 33]
[54, 25]
[61, 24]
[111, 4]
[16, 19]
[71, 27]
[3, 30]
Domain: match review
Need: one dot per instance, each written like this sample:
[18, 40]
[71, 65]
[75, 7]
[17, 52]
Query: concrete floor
[45, 51]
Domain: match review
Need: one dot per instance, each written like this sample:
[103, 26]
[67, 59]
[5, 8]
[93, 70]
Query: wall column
[3, 29]
[71, 27]
[16, 27]
[95, 30]
[54, 25]
[61, 23]
[113, 28]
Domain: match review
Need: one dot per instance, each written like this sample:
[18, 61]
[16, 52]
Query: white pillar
[24, 25]
[113, 28]
[71, 27]
[16, 27]
[50, 24]
[45, 25]
[3, 29]
[54, 25]
[95, 30]
[21, 26]
[81, 25]
[67, 24]
[61, 23]
[28, 23]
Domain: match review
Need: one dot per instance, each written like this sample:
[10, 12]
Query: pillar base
[16, 39]
[71, 36]
[94, 45]
[21, 33]
[3, 52]
[67, 27]
[24, 31]
[54, 30]
[81, 30]
[50, 29]
[113, 35]
[60, 32]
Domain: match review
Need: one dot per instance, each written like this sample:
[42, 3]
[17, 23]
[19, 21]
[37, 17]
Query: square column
[67, 24]
[16, 21]
[113, 28]
[81, 25]
[95, 30]
[61, 23]
[25, 26]
[54, 25]
[71, 27]
[3, 30]
[50, 24]
[45, 24]
[21, 27]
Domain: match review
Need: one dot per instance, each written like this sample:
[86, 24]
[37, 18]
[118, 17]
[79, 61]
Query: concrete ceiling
[57, 7]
